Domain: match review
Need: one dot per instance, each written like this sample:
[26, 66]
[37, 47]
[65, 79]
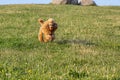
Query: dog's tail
[40, 21]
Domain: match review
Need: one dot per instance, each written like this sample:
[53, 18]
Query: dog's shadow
[76, 41]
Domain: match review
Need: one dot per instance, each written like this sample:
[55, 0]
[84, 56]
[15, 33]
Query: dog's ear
[41, 21]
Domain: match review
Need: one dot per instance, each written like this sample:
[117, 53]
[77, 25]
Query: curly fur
[47, 30]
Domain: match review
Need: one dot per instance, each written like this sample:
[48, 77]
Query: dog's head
[50, 23]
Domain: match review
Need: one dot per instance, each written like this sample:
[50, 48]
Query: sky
[98, 2]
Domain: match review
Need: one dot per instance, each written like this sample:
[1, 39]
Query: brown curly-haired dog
[47, 29]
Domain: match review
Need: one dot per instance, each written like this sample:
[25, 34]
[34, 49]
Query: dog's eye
[53, 24]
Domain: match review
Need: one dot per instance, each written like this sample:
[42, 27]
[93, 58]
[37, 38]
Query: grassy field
[87, 44]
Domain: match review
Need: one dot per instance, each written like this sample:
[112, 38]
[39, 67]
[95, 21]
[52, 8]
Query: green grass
[87, 44]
